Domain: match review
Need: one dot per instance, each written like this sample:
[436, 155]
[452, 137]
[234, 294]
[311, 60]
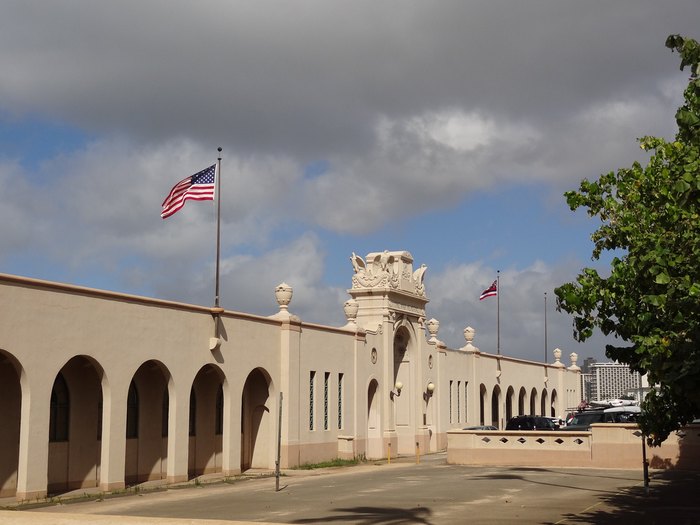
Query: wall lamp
[397, 390]
[429, 391]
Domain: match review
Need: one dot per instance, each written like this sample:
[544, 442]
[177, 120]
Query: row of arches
[496, 409]
[78, 425]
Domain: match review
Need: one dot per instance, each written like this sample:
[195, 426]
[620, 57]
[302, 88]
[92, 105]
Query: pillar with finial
[469, 334]
[433, 326]
[574, 358]
[351, 307]
[557, 358]
[283, 294]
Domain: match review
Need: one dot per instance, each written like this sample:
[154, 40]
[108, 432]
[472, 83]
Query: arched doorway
[374, 433]
[553, 404]
[10, 414]
[544, 405]
[522, 394]
[257, 428]
[403, 413]
[147, 424]
[533, 402]
[75, 426]
[483, 394]
[495, 407]
[205, 445]
[510, 395]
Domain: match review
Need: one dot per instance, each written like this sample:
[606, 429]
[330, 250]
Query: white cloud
[454, 301]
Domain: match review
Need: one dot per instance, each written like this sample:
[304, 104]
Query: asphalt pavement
[431, 492]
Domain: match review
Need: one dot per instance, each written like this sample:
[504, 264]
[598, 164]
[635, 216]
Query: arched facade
[10, 408]
[75, 433]
[147, 424]
[205, 443]
[163, 390]
[258, 430]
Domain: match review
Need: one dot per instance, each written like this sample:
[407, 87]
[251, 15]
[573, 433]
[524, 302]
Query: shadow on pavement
[524, 479]
[672, 498]
[375, 516]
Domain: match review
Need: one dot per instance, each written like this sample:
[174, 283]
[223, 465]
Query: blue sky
[448, 130]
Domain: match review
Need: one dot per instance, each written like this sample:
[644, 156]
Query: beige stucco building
[106, 389]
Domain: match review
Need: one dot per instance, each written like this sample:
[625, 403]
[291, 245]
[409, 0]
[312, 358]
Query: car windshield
[586, 419]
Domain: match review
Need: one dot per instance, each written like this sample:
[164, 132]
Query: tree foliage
[651, 299]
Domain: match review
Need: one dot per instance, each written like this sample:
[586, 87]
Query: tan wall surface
[605, 446]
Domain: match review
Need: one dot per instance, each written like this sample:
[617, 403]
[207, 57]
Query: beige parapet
[604, 446]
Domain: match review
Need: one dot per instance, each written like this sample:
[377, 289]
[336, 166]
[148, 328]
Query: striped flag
[197, 187]
[490, 291]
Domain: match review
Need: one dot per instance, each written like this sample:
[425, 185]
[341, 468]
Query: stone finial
[283, 294]
[433, 326]
[557, 358]
[469, 334]
[350, 308]
[574, 358]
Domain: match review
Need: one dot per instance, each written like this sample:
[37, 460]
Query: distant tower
[587, 364]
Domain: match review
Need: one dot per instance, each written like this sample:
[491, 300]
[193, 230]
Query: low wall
[605, 446]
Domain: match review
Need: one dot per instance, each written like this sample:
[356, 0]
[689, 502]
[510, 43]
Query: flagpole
[218, 226]
[545, 327]
[498, 311]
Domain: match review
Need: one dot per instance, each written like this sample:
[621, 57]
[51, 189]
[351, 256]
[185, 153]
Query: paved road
[430, 493]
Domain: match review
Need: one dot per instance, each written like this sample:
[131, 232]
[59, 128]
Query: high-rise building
[615, 380]
[587, 364]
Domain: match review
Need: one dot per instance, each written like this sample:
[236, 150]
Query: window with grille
[164, 414]
[450, 403]
[193, 413]
[132, 412]
[465, 403]
[219, 424]
[459, 394]
[326, 380]
[312, 380]
[340, 401]
[60, 410]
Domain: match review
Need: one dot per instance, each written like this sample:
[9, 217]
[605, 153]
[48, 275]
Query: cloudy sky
[448, 129]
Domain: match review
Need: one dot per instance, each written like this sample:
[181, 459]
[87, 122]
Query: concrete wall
[605, 446]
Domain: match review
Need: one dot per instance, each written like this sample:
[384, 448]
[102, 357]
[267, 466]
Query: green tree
[650, 217]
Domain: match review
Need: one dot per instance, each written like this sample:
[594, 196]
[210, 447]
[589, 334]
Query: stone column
[113, 454]
[32, 472]
[178, 429]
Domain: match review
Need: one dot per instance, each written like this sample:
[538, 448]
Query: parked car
[481, 427]
[529, 423]
[584, 420]
[557, 422]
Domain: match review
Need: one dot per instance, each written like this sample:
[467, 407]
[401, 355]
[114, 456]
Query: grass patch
[337, 462]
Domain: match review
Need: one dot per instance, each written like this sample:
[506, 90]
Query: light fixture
[397, 390]
[429, 389]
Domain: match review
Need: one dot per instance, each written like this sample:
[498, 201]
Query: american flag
[490, 291]
[197, 187]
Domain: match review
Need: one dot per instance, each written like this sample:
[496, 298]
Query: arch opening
[147, 424]
[374, 434]
[75, 426]
[11, 409]
[257, 422]
[205, 445]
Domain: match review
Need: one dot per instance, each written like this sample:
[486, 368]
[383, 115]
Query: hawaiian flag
[490, 291]
[197, 187]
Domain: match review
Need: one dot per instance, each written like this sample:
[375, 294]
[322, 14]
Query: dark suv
[529, 423]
